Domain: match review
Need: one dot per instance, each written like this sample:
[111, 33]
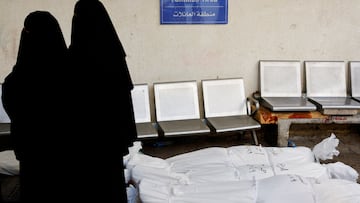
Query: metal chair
[177, 109]
[280, 86]
[140, 97]
[227, 108]
[326, 84]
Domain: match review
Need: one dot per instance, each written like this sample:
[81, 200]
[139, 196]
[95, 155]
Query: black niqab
[32, 97]
[94, 41]
[102, 116]
[101, 81]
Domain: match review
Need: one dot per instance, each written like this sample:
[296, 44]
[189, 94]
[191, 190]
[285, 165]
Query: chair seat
[357, 98]
[146, 130]
[288, 104]
[336, 102]
[233, 123]
[183, 127]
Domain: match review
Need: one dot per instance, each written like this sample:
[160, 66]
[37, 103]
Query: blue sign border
[194, 11]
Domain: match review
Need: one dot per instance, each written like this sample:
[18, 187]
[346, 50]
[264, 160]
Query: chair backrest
[325, 78]
[141, 103]
[280, 78]
[355, 78]
[176, 101]
[4, 118]
[224, 97]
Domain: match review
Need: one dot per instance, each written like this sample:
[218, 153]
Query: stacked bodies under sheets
[236, 174]
[240, 174]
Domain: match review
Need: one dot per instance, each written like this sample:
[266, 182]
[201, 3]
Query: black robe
[32, 97]
[102, 115]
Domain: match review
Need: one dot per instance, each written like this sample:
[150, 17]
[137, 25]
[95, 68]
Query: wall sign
[194, 11]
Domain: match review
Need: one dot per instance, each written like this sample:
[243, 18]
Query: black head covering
[41, 41]
[40, 62]
[101, 77]
[94, 41]
[100, 74]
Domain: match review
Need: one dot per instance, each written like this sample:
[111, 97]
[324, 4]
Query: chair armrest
[252, 105]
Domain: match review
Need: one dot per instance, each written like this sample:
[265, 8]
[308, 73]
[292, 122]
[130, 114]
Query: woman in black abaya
[32, 96]
[102, 110]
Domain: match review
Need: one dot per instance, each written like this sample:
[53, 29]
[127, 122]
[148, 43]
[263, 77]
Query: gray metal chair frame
[354, 67]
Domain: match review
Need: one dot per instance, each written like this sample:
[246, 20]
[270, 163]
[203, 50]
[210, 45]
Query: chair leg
[240, 135]
[254, 137]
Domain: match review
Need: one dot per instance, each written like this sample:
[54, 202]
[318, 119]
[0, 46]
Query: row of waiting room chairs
[226, 108]
[177, 109]
[326, 86]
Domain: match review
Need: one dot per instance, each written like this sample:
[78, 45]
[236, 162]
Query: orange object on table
[265, 116]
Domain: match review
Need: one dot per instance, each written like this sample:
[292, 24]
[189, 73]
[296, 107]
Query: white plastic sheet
[337, 191]
[285, 189]
[160, 175]
[277, 189]
[229, 192]
[291, 155]
[339, 170]
[190, 160]
[248, 155]
[326, 149]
